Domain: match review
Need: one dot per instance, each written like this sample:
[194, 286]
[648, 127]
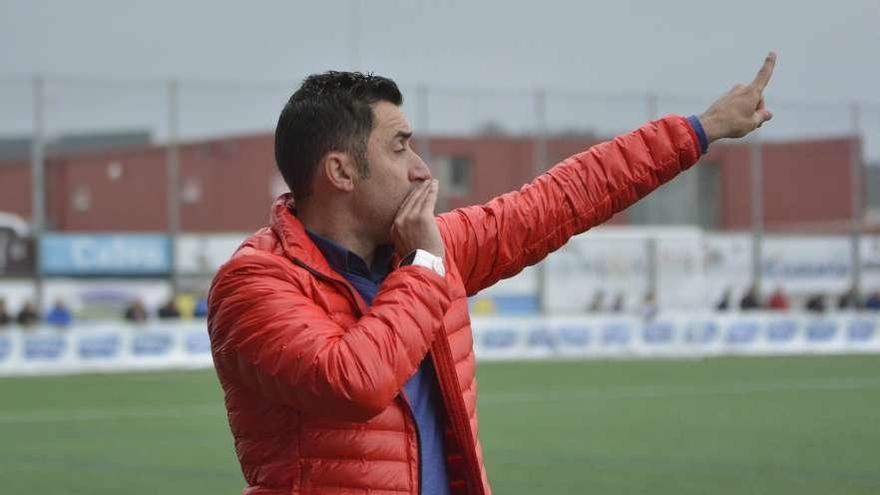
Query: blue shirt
[422, 391]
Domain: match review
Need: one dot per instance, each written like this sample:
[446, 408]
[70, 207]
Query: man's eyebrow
[404, 135]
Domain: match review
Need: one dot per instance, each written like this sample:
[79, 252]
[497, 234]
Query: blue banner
[100, 346]
[782, 331]
[701, 332]
[861, 330]
[140, 254]
[197, 342]
[44, 347]
[5, 347]
[152, 344]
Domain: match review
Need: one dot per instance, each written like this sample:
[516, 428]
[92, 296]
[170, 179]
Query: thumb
[762, 116]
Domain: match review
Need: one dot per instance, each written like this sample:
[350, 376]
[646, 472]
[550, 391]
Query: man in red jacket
[340, 332]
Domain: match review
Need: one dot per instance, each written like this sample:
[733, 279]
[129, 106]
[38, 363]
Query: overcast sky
[828, 51]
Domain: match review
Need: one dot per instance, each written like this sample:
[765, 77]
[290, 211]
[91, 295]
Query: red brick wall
[236, 177]
[504, 164]
[805, 184]
[500, 164]
[15, 188]
[133, 202]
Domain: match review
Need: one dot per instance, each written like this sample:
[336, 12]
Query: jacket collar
[299, 247]
[295, 241]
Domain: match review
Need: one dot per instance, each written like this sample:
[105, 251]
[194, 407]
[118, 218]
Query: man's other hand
[741, 110]
[414, 226]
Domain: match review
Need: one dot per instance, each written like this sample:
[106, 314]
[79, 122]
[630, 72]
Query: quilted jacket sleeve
[498, 239]
[275, 340]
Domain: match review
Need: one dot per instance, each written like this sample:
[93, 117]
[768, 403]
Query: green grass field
[806, 425]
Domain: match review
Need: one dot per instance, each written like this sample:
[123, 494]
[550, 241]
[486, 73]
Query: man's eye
[401, 150]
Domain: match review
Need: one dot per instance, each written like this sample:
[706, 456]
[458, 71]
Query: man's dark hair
[329, 112]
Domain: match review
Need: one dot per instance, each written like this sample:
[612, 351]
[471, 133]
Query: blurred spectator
[169, 311]
[723, 304]
[849, 300]
[750, 300]
[778, 300]
[186, 305]
[136, 312]
[816, 304]
[28, 316]
[59, 315]
[649, 307]
[619, 304]
[873, 301]
[5, 319]
[201, 310]
[598, 303]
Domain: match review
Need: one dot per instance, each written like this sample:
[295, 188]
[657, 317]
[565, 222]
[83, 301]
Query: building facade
[228, 184]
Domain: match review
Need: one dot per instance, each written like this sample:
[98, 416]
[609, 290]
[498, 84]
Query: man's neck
[339, 229]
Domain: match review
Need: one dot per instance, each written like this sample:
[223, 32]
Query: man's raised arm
[498, 239]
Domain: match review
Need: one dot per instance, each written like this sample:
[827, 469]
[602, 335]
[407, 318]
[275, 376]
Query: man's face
[394, 170]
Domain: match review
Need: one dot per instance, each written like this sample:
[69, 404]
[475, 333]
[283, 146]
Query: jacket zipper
[457, 411]
[358, 302]
[418, 439]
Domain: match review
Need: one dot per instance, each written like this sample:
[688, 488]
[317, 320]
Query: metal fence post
[423, 122]
[856, 185]
[540, 165]
[354, 35]
[652, 258]
[172, 163]
[756, 159]
[38, 184]
[652, 105]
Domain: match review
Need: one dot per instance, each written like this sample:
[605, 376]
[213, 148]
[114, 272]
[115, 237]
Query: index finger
[411, 198]
[765, 72]
[429, 202]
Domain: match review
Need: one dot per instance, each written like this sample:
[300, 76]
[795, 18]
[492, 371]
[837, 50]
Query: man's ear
[340, 170]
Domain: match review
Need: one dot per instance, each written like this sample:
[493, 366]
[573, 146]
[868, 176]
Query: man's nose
[420, 171]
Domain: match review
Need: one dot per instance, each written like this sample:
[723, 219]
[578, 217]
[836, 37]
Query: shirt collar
[345, 262]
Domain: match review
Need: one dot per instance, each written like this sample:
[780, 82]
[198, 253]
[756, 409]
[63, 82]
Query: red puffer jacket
[312, 376]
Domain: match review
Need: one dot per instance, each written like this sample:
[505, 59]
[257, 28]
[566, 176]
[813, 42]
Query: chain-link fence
[69, 146]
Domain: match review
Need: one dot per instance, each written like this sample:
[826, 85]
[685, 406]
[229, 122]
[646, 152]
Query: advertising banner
[105, 255]
[116, 347]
